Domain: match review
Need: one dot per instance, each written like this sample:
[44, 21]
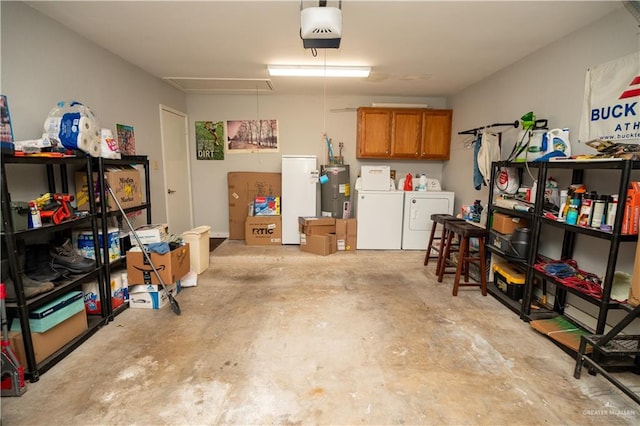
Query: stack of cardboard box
[326, 235]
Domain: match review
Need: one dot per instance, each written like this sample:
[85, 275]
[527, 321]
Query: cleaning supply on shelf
[408, 182]
[422, 186]
[586, 207]
[572, 212]
[612, 208]
[562, 213]
[598, 212]
[558, 140]
[35, 221]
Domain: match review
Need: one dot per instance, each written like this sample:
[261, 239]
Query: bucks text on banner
[611, 109]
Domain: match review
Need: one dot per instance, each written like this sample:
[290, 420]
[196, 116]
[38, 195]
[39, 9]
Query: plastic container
[198, 239]
[509, 280]
[598, 216]
[422, 186]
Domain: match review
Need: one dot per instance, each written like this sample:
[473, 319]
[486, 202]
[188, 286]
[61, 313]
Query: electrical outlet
[155, 164]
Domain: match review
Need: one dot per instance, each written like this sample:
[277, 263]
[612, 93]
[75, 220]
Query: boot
[31, 288]
[38, 263]
[65, 257]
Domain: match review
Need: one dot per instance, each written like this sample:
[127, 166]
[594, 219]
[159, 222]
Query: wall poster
[247, 136]
[126, 139]
[210, 140]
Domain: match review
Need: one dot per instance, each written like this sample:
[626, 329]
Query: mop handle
[146, 255]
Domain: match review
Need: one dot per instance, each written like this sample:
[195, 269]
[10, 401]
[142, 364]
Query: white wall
[44, 62]
[302, 121]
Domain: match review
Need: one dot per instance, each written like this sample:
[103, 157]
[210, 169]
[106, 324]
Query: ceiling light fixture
[317, 71]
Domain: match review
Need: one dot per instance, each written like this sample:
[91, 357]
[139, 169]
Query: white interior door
[177, 172]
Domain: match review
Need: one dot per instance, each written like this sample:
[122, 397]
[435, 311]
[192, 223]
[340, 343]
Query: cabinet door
[406, 134]
[374, 133]
[436, 134]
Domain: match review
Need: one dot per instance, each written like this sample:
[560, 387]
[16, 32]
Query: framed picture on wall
[126, 139]
[210, 140]
[247, 136]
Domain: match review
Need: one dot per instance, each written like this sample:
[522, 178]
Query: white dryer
[418, 208]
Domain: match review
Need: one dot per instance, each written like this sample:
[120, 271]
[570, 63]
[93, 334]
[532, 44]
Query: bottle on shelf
[586, 206]
[35, 220]
[598, 217]
[562, 213]
[572, 212]
[612, 207]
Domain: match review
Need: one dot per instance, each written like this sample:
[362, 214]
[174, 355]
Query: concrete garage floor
[272, 335]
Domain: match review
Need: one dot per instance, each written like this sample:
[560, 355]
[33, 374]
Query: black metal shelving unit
[612, 351]
[23, 306]
[537, 220]
[102, 164]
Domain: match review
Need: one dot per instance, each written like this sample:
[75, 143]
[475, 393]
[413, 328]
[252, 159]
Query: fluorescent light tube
[317, 71]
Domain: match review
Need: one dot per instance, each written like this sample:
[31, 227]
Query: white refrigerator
[299, 193]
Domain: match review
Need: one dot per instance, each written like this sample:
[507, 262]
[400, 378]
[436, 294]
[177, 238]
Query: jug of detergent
[558, 141]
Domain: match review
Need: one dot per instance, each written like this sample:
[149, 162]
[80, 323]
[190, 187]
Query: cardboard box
[263, 230]
[375, 178]
[124, 181]
[506, 224]
[266, 206]
[316, 221]
[45, 344]
[243, 188]
[53, 313]
[152, 296]
[318, 244]
[346, 234]
[321, 225]
[171, 266]
[150, 234]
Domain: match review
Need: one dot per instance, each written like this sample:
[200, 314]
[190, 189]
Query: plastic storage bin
[198, 239]
[509, 279]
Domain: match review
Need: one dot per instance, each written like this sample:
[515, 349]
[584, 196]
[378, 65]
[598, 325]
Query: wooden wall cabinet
[436, 134]
[403, 133]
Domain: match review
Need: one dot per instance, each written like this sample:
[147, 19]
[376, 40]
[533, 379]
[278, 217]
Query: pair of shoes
[31, 288]
[37, 265]
[65, 257]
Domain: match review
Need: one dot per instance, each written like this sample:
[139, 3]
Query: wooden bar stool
[465, 231]
[444, 258]
[436, 219]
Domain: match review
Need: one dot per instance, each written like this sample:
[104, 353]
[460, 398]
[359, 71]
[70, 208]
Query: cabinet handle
[170, 191]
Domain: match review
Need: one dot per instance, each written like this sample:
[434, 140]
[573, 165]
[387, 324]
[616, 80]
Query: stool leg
[461, 260]
[443, 240]
[466, 255]
[434, 225]
[444, 254]
[483, 272]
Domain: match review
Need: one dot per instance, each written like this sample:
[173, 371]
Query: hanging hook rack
[477, 129]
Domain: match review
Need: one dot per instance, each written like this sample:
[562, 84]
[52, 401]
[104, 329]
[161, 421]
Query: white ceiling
[415, 48]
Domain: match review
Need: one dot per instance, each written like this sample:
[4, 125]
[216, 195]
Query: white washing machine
[379, 218]
[418, 208]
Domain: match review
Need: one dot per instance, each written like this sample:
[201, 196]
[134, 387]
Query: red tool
[60, 213]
